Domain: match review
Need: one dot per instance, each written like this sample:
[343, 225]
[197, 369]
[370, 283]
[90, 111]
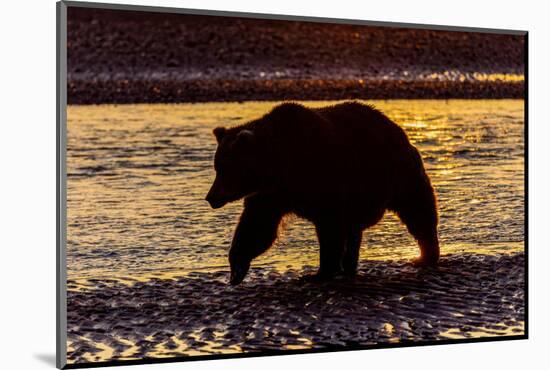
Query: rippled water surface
[138, 175]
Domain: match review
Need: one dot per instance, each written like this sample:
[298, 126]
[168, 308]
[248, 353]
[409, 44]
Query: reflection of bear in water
[340, 167]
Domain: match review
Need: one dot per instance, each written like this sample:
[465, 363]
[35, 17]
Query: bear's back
[358, 116]
[358, 124]
[343, 130]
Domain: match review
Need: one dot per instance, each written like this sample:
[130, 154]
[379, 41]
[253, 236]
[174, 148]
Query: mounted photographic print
[234, 184]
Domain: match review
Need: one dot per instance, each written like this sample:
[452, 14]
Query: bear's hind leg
[351, 254]
[419, 213]
[332, 240]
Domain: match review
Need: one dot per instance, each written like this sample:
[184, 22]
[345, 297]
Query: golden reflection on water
[138, 174]
[492, 77]
[455, 75]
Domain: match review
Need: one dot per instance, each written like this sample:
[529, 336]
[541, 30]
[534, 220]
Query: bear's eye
[222, 164]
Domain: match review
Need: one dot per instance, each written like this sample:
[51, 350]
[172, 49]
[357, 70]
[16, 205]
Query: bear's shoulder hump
[288, 108]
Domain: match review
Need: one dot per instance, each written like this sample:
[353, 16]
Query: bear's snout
[214, 202]
[214, 196]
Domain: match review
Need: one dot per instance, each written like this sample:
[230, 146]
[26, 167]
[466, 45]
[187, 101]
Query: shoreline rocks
[113, 91]
[118, 56]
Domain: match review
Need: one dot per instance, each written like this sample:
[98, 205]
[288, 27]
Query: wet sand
[467, 295]
[135, 57]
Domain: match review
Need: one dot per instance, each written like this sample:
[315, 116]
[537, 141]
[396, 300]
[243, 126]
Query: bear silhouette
[340, 167]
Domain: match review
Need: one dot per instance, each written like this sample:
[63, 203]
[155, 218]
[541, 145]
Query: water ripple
[138, 174]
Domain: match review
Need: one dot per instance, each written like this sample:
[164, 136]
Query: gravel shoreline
[135, 57]
[231, 90]
[467, 295]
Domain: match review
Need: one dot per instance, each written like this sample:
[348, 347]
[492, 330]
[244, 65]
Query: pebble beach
[466, 296]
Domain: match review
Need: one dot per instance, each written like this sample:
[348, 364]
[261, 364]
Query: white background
[27, 181]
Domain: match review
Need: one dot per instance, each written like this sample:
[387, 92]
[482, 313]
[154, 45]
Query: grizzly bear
[340, 167]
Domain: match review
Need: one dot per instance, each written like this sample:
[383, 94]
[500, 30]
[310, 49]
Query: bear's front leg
[418, 211]
[332, 242]
[255, 233]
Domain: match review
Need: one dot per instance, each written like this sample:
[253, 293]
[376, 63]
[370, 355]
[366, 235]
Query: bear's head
[238, 168]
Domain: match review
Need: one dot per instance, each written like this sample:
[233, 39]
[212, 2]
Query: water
[138, 175]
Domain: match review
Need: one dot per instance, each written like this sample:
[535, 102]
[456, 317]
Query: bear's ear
[219, 133]
[244, 138]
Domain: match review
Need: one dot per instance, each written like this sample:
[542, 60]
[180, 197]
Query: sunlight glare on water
[138, 175]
